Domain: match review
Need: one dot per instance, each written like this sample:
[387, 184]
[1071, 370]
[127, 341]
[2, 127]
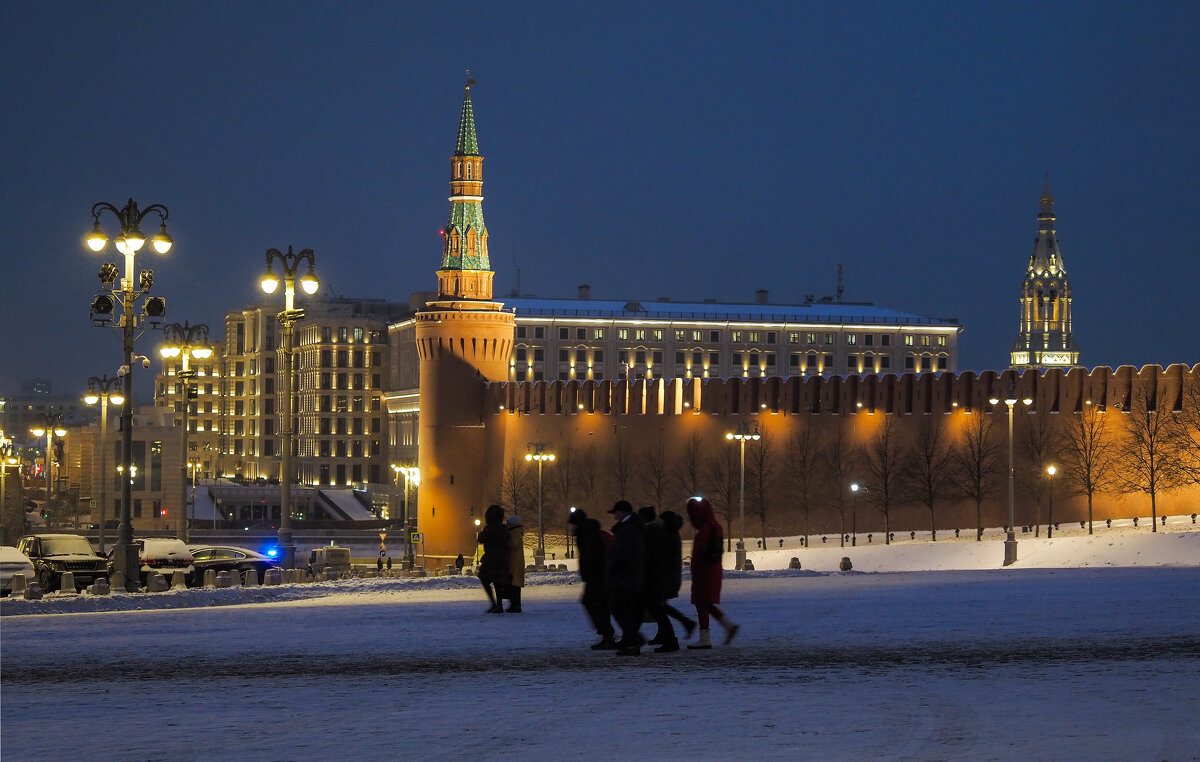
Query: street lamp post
[49, 424]
[127, 291]
[571, 511]
[854, 488]
[746, 430]
[1010, 542]
[289, 263]
[1051, 470]
[103, 390]
[540, 452]
[185, 341]
[412, 476]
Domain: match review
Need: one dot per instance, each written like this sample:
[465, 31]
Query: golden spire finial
[469, 80]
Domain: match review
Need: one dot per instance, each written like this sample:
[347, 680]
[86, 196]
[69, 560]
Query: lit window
[908, 340]
[623, 334]
[941, 341]
[852, 339]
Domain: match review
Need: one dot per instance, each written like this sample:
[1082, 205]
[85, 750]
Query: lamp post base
[539, 558]
[740, 556]
[1010, 550]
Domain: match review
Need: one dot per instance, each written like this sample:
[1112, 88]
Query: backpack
[715, 547]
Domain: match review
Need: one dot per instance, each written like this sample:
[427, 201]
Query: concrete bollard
[99, 587]
[33, 592]
[66, 583]
[156, 583]
[251, 577]
[845, 565]
[794, 563]
[210, 579]
[19, 584]
[116, 581]
[272, 577]
[178, 580]
[748, 565]
[369, 574]
[224, 580]
[235, 578]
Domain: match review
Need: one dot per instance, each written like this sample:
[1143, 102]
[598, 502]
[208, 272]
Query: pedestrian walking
[516, 563]
[625, 577]
[655, 592]
[379, 565]
[459, 563]
[591, 545]
[672, 572]
[707, 572]
[389, 563]
[493, 566]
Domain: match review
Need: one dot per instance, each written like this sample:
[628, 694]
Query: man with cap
[625, 576]
[592, 543]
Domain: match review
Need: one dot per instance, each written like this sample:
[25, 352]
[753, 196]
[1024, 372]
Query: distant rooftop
[827, 312]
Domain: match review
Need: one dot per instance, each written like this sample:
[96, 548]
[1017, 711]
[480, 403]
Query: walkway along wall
[657, 442]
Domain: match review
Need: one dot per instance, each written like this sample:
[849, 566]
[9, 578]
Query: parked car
[13, 561]
[53, 554]
[163, 555]
[221, 558]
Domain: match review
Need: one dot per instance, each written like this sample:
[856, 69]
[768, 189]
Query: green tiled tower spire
[465, 246]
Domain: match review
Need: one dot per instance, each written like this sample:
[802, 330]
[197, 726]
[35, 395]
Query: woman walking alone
[707, 572]
[493, 567]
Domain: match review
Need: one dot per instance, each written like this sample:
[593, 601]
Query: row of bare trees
[905, 462]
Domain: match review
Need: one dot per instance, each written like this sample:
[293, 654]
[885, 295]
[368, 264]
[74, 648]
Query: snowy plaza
[1085, 649]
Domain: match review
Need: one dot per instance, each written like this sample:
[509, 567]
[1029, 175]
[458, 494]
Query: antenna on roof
[840, 288]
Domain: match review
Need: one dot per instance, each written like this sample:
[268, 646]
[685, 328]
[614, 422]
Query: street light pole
[745, 430]
[1051, 470]
[290, 263]
[854, 488]
[6, 459]
[1010, 541]
[127, 292]
[540, 452]
[185, 341]
[50, 425]
[102, 389]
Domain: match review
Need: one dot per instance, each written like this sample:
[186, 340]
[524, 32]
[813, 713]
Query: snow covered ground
[1086, 649]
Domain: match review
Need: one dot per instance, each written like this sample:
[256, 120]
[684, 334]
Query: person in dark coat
[707, 571]
[655, 592]
[493, 567]
[625, 576]
[592, 544]
[672, 570]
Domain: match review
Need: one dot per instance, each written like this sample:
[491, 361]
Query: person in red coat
[707, 572]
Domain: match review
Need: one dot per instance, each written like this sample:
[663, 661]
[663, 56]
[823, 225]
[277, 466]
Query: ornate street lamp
[103, 390]
[289, 263]
[539, 452]
[125, 293]
[746, 430]
[50, 425]
[854, 488]
[1010, 542]
[185, 341]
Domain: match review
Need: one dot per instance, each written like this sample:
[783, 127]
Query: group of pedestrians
[502, 566]
[634, 571]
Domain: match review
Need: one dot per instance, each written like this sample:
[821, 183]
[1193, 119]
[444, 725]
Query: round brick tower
[464, 340]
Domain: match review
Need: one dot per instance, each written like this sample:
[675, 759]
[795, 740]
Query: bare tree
[1148, 454]
[930, 478]
[839, 462]
[724, 475]
[514, 484]
[588, 478]
[689, 469]
[803, 468]
[885, 461]
[1187, 432]
[1088, 452]
[978, 465]
[762, 467]
[622, 465]
[654, 470]
[1039, 443]
[563, 480]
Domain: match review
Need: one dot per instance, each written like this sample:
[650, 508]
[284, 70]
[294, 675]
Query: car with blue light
[221, 558]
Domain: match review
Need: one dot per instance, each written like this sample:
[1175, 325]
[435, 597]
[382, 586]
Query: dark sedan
[221, 558]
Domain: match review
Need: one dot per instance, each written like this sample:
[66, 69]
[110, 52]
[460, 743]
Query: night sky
[690, 151]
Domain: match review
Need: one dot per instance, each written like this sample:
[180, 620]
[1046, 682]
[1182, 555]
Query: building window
[772, 337]
[908, 340]
[885, 341]
[657, 334]
[580, 334]
[697, 336]
[598, 356]
[679, 334]
[735, 337]
[794, 360]
[753, 337]
[885, 362]
[563, 333]
[829, 362]
[941, 363]
[869, 339]
[829, 338]
[926, 363]
[539, 332]
[598, 334]
[679, 358]
[793, 337]
[538, 354]
[770, 357]
[520, 332]
[910, 362]
[941, 341]
[564, 355]
[714, 337]
[521, 354]
[924, 341]
[851, 339]
[810, 337]
[640, 334]
[623, 334]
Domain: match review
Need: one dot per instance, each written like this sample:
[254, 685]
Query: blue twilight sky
[692, 150]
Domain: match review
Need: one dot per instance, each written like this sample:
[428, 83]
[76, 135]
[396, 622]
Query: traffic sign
[416, 537]
[382, 553]
[91, 503]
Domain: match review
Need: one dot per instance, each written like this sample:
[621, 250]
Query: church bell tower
[1047, 338]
